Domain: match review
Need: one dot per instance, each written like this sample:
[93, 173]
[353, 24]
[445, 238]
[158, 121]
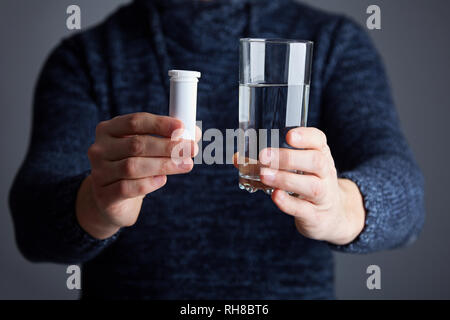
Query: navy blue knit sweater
[201, 236]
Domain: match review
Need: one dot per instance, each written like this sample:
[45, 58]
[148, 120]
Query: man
[98, 186]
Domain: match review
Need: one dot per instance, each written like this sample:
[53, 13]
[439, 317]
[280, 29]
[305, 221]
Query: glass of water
[274, 80]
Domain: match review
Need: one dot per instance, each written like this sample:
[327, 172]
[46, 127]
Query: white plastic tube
[183, 99]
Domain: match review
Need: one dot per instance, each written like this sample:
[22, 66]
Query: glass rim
[276, 40]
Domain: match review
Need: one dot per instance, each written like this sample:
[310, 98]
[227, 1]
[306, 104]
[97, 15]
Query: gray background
[414, 42]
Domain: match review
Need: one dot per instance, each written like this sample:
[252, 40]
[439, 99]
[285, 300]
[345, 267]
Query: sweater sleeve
[367, 144]
[42, 198]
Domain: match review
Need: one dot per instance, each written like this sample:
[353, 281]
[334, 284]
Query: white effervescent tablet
[183, 99]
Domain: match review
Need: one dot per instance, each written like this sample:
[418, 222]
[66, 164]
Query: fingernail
[269, 174]
[266, 156]
[184, 165]
[295, 136]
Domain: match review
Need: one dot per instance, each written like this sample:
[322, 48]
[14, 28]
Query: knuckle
[158, 125]
[163, 182]
[100, 128]
[123, 188]
[290, 158]
[262, 157]
[133, 122]
[129, 167]
[137, 145]
[142, 188]
[317, 189]
[167, 165]
[318, 161]
[287, 183]
[278, 201]
[170, 148]
[93, 152]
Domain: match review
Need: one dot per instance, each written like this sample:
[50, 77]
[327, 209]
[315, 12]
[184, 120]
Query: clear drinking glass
[274, 80]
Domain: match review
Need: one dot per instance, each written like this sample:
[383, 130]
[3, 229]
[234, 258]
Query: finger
[307, 138]
[126, 189]
[308, 186]
[138, 168]
[310, 161]
[301, 209]
[139, 123]
[145, 146]
[198, 133]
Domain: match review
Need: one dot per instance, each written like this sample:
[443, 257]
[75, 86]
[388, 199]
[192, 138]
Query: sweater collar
[202, 26]
[171, 3]
[199, 33]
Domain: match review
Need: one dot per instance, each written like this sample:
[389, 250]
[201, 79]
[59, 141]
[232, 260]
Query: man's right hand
[131, 157]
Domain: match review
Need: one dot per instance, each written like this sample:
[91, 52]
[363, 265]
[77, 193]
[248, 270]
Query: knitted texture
[200, 236]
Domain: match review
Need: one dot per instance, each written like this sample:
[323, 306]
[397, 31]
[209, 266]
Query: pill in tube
[183, 99]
